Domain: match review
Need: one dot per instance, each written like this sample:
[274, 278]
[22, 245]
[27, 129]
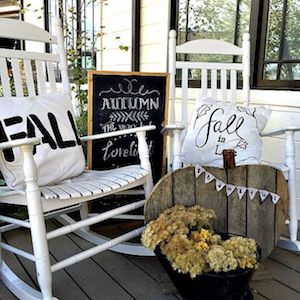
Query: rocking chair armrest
[280, 131]
[172, 127]
[20, 142]
[117, 133]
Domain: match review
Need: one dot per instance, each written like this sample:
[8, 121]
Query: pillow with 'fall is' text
[219, 126]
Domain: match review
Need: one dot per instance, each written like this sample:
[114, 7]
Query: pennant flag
[208, 177]
[274, 197]
[219, 185]
[229, 189]
[241, 190]
[252, 192]
[198, 170]
[263, 195]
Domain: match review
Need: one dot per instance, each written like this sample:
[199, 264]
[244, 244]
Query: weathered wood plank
[91, 278]
[286, 258]
[150, 265]
[5, 294]
[184, 186]
[220, 201]
[14, 264]
[257, 296]
[128, 275]
[237, 208]
[254, 218]
[63, 285]
[284, 275]
[261, 215]
[282, 205]
[274, 290]
[154, 269]
[208, 196]
[160, 198]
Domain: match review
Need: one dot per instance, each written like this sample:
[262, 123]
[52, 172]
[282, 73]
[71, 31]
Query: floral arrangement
[185, 236]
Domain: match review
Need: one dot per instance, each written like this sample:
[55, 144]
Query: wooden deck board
[113, 276]
[284, 275]
[5, 294]
[69, 289]
[275, 290]
[17, 267]
[128, 275]
[92, 279]
[289, 259]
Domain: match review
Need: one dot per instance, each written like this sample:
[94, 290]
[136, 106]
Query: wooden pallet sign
[122, 100]
[263, 220]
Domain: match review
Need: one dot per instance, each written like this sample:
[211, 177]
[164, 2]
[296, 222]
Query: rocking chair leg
[37, 224]
[84, 214]
[41, 253]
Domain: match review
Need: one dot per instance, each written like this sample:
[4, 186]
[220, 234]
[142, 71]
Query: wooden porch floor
[114, 276]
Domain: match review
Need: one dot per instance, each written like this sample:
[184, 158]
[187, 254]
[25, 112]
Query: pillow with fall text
[59, 156]
[219, 126]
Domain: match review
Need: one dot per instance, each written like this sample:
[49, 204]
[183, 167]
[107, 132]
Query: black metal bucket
[233, 285]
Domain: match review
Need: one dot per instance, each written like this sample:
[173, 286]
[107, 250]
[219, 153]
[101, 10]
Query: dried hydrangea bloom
[244, 250]
[186, 238]
[183, 257]
[176, 220]
[220, 259]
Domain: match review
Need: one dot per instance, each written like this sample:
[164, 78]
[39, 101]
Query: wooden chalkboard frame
[91, 73]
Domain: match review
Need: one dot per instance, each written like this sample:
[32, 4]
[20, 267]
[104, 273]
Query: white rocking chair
[228, 72]
[66, 196]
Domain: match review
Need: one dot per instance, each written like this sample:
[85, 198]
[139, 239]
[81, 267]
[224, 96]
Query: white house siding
[116, 22]
[154, 35]
[36, 18]
[285, 107]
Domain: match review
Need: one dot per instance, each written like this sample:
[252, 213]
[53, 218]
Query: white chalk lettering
[137, 103]
[110, 151]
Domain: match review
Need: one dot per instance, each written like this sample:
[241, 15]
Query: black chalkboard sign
[121, 100]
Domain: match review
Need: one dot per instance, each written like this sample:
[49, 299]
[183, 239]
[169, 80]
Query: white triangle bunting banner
[263, 194]
[229, 189]
[274, 197]
[219, 185]
[208, 177]
[252, 192]
[198, 170]
[241, 190]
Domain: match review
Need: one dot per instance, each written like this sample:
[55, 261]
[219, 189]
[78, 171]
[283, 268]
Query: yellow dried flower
[220, 259]
[185, 237]
[244, 250]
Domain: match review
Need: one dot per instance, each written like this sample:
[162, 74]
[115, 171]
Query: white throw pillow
[215, 127]
[49, 117]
